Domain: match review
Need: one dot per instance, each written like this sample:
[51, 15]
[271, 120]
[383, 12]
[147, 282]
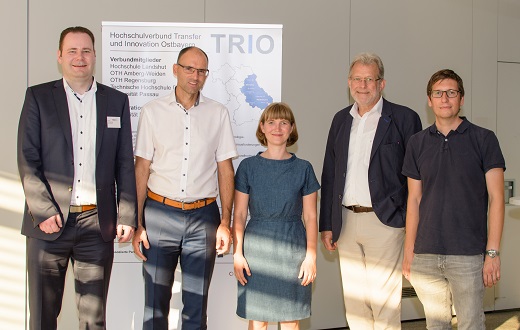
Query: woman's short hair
[277, 110]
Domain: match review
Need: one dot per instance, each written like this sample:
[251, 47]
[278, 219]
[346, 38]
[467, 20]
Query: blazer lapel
[62, 108]
[382, 127]
[101, 106]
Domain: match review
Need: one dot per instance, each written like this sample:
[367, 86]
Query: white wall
[414, 39]
[13, 59]
[508, 118]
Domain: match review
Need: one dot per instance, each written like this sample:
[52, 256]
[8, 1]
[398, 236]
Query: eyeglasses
[190, 70]
[451, 93]
[367, 80]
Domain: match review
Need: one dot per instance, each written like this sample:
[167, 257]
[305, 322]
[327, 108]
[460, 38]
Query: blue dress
[275, 241]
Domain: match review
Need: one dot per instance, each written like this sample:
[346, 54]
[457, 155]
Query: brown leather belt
[181, 205]
[359, 209]
[81, 208]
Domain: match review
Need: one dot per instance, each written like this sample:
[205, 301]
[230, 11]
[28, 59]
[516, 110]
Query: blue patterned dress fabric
[275, 241]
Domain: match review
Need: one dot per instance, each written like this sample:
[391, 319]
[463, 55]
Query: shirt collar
[91, 89]
[463, 126]
[173, 98]
[377, 109]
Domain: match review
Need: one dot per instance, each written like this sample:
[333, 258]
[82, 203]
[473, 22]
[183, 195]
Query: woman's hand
[241, 267]
[308, 271]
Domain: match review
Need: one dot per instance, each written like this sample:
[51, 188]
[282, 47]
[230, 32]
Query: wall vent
[409, 292]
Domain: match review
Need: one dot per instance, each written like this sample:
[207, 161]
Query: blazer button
[70, 188]
[340, 197]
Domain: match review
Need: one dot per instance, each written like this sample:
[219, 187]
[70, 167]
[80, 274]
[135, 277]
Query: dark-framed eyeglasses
[190, 70]
[451, 93]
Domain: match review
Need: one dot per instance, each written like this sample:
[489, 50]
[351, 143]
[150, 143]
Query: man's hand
[51, 225]
[124, 233]
[223, 239]
[407, 263]
[491, 271]
[326, 238]
[140, 236]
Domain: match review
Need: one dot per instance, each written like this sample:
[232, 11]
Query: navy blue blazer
[388, 190]
[46, 161]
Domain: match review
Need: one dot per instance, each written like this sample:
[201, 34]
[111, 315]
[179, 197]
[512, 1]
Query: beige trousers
[370, 255]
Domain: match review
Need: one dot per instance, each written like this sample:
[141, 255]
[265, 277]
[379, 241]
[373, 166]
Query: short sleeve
[226, 146]
[492, 154]
[241, 178]
[410, 166]
[144, 141]
[311, 182]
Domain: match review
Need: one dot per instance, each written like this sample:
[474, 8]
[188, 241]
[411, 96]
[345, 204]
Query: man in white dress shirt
[77, 170]
[184, 142]
[363, 196]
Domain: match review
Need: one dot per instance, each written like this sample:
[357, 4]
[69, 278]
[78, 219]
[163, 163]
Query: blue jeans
[188, 236]
[438, 279]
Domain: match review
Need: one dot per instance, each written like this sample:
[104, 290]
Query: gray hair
[367, 59]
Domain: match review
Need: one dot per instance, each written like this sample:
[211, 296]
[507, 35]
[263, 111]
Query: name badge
[113, 122]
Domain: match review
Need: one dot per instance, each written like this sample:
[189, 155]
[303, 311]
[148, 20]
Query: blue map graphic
[241, 91]
[255, 95]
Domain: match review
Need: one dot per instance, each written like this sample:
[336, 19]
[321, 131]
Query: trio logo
[263, 44]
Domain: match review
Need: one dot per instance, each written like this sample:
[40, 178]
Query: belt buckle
[182, 205]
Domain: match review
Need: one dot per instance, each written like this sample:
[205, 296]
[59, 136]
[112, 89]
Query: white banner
[245, 64]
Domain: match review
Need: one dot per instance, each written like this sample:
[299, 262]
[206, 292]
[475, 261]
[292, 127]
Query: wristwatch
[492, 253]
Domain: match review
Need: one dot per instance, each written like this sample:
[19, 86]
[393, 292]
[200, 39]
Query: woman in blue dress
[275, 254]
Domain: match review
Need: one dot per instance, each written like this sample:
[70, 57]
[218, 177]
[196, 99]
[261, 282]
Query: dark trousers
[47, 263]
[188, 236]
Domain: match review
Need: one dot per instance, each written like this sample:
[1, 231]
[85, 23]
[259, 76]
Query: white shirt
[362, 135]
[184, 146]
[83, 116]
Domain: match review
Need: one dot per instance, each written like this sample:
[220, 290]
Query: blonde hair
[367, 59]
